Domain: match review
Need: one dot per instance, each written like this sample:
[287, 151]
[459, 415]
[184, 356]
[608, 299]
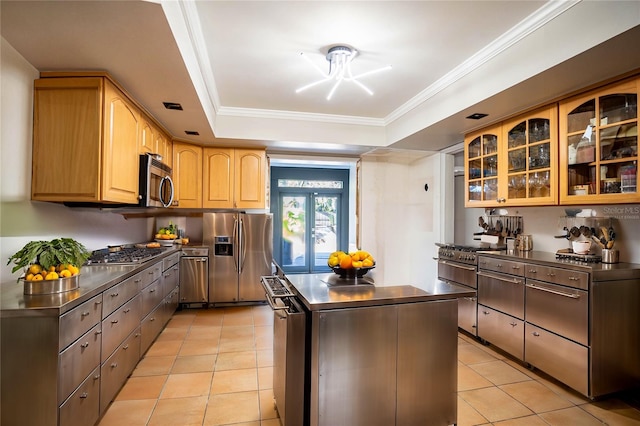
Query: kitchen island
[378, 355]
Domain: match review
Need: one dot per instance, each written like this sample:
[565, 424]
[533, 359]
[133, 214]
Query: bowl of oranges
[351, 265]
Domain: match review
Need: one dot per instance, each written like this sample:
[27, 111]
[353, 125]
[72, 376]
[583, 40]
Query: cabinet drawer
[501, 330]
[151, 274]
[77, 321]
[169, 261]
[563, 359]
[151, 296]
[502, 292]
[119, 324]
[115, 370]
[170, 279]
[83, 406]
[563, 310]
[501, 265]
[151, 326]
[77, 361]
[119, 294]
[559, 276]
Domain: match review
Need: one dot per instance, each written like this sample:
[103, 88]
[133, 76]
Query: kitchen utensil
[610, 256]
[586, 231]
[524, 242]
[567, 235]
[575, 232]
[581, 247]
[597, 240]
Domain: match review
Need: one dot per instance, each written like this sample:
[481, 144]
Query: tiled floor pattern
[214, 367]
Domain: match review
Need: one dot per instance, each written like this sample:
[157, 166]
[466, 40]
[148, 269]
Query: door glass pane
[293, 230]
[325, 230]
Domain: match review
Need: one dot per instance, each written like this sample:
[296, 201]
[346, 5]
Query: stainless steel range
[458, 264]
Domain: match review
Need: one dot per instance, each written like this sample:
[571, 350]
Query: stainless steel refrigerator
[240, 252]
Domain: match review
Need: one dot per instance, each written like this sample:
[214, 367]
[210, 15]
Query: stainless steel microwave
[156, 183]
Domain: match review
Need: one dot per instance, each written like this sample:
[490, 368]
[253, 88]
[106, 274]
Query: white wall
[22, 220]
[400, 221]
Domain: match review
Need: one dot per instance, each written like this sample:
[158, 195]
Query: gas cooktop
[472, 247]
[125, 256]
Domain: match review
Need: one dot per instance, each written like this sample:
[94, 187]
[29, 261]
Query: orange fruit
[29, 277]
[35, 269]
[65, 273]
[333, 261]
[345, 262]
[52, 275]
[73, 269]
[367, 262]
[357, 263]
[37, 277]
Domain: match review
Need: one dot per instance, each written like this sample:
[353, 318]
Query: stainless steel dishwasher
[194, 275]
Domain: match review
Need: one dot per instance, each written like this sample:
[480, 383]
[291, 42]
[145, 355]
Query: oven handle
[272, 303]
[497, 277]
[457, 265]
[559, 293]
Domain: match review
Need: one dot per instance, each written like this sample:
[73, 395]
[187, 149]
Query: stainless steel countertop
[600, 271]
[94, 279]
[317, 292]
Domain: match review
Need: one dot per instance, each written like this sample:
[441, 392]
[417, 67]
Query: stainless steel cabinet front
[118, 325]
[561, 358]
[80, 319]
[77, 361]
[563, 310]
[501, 330]
[83, 406]
[502, 292]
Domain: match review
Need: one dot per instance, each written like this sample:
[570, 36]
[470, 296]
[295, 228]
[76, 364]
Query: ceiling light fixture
[340, 58]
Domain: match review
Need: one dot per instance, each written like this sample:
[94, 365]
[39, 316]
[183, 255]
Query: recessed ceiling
[234, 65]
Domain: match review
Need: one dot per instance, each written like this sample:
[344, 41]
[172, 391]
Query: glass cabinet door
[599, 143]
[531, 152]
[481, 156]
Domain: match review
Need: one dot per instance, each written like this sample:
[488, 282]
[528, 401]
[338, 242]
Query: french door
[309, 221]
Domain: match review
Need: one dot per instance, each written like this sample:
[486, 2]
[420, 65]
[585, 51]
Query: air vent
[172, 105]
[192, 133]
[477, 116]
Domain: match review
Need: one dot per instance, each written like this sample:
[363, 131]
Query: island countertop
[324, 291]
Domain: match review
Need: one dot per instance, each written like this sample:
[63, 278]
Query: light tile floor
[215, 366]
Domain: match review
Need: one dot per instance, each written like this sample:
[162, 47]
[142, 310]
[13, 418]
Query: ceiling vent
[477, 116]
[172, 105]
[192, 133]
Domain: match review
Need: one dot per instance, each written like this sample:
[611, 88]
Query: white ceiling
[234, 65]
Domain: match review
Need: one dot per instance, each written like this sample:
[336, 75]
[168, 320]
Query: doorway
[310, 210]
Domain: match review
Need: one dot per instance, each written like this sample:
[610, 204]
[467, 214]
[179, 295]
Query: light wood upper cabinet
[599, 146]
[164, 147]
[234, 178]
[218, 178]
[85, 142]
[514, 163]
[249, 178]
[187, 175]
[155, 141]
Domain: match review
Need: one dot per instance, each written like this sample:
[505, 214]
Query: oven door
[457, 272]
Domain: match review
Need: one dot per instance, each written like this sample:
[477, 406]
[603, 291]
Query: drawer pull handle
[98, 332]
[152, 319]
[536, 334]
[125, 347]
[175, 268]
[114, 294]
[551, 274]
[513, 324]
[83, 395]
[114, 365]
[533, 271]
[515, 267]
[151, 272]
[84, 345]
[499, 265]
[574, 278]
[96, 377]
[486, 312]
[84, 314]
[559, 293]
[152, 291]
[114, 321]
[137, 280]
[99, 302]
[126, 311]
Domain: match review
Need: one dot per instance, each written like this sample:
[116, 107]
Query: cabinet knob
[126, 311]
[84, 345]
[84, 314]
[533, 271]
[114, 365]
[114, 321]
[551, 274]
[125, 347]
[98, 332]
[574, 279]
[99, 302]
[536, 334]
[83, 395]
[513, 324]
[114, 294]
[137, 281]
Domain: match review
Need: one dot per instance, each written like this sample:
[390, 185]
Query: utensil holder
[610, 256]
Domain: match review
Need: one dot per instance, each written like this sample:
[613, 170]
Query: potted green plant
[50, 266]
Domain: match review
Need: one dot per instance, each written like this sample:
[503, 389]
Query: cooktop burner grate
[125, 256]
[584, 258]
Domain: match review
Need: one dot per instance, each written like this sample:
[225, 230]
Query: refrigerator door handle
[236, 244]
[242, 253]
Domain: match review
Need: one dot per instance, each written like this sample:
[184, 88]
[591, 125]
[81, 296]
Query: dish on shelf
[352, 272]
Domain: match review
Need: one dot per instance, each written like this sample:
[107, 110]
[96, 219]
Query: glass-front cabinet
[599, 146]
[515, 163]
[481, 167]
